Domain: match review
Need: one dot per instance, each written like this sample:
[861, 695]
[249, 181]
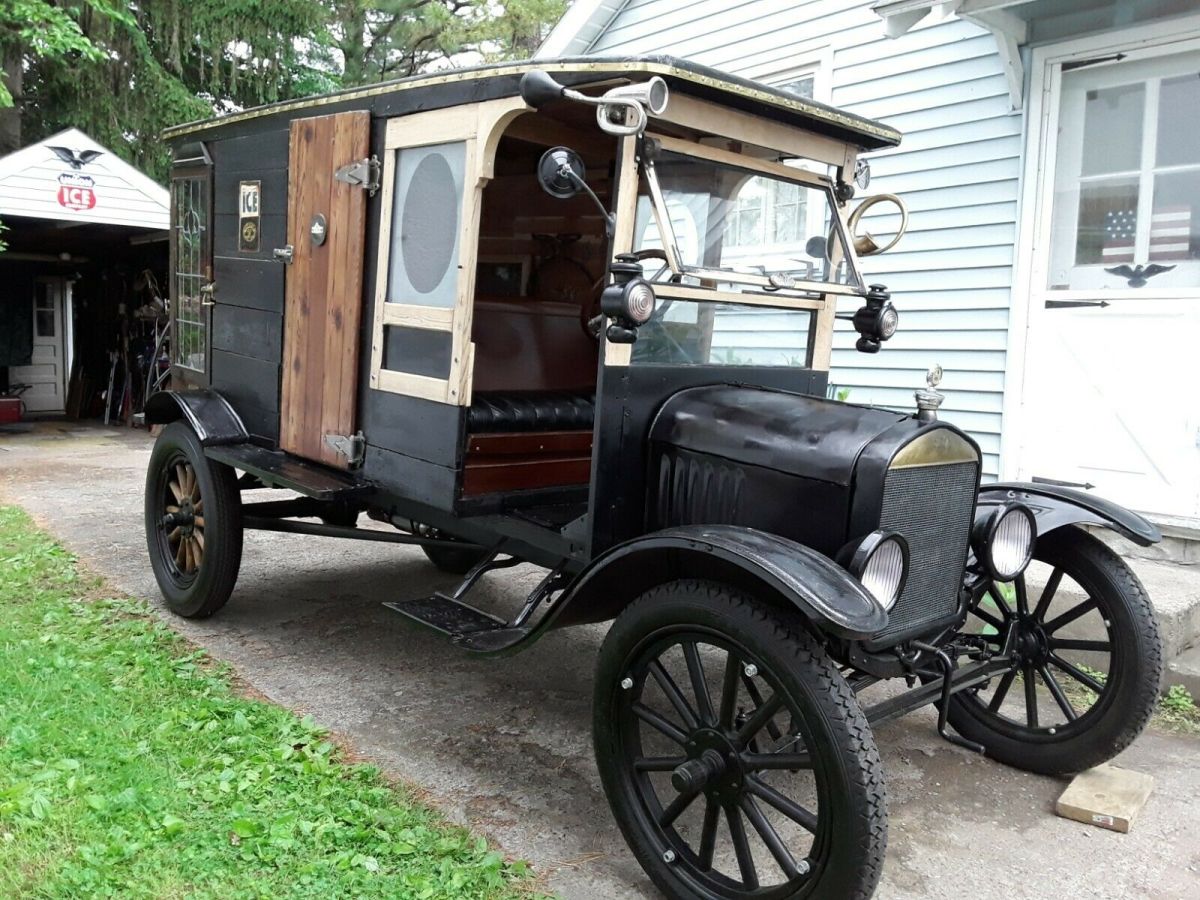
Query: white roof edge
[565, 38]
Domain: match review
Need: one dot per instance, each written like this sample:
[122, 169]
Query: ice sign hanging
[248, 201]
[76, 191]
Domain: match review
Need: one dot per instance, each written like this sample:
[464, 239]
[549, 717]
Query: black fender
[773, 568]
[1054, 506]
[209, 414]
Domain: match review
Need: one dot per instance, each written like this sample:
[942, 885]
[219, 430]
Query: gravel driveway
[505, 745]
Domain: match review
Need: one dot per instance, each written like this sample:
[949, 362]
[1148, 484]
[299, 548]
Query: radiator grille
[696, 490]
[932, 507]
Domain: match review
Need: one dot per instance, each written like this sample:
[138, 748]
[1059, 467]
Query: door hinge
[364, 173]
[353, 447]
[1074, 304]
[286, 255]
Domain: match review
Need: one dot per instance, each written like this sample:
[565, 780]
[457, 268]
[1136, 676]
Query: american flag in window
[1120, 235]
[1170, 232]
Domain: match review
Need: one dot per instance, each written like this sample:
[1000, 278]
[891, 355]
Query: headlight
[1004, 540]
[881, 564]
[877, 321]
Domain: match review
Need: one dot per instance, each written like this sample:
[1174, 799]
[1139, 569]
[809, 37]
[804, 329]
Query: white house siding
[958, 167]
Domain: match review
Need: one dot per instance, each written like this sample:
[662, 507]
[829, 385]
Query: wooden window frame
[201, 170]
[478, 127]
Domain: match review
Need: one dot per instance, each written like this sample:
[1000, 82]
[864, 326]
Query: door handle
[285, 255]
[206, 294]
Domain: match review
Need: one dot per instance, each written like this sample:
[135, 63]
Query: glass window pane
[1179, 121]
[1175, 222]
[725, 334]
[190, 223]
[426, 214]
[1107, 222]
[801, 87]
[1112, 129]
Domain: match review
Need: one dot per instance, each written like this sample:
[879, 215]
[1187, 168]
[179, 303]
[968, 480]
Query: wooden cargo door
[323, 304]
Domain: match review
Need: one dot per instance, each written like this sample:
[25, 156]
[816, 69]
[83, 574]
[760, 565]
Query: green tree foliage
[382, 39]
[123, 70]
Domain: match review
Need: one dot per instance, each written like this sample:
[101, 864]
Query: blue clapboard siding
[958, 169]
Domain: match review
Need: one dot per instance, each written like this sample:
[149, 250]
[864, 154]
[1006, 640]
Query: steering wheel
[865, 244]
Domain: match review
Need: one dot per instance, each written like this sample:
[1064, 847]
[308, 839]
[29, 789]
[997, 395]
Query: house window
[767, 211]
[191, 253]
[1127, 177]
[802, 86]
[44, 325]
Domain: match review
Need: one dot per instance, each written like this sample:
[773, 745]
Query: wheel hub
[713, 766]
[1031, 644]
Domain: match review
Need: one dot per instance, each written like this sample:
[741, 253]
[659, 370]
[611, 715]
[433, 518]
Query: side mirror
[538, 88]
[560, 172]
[817, 247]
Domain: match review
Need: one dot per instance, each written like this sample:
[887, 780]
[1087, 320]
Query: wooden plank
[249, 332]
[344, 247]
[432, 318]
[519, 443]
[1106, 797]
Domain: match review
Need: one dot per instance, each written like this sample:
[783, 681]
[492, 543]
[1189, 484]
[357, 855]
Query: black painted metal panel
[248, 332]
[413, 479]
[252, 283]
[417, 351]
[250, 385]
[415, 427]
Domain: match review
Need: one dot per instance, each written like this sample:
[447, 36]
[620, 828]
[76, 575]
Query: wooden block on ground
[1106, 797]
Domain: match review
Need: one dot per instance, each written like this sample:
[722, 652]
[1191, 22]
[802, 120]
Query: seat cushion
[530, 411]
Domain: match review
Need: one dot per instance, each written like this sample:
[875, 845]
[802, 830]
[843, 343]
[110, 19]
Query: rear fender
[1054, 507]
[209, 414]
[774, 569]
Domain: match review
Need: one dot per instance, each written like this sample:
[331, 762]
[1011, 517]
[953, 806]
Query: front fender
[209, 414]
[771, 567]
[1054, 506]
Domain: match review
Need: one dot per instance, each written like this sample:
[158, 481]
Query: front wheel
[1088, 663]
[193, 517]
[735, 757]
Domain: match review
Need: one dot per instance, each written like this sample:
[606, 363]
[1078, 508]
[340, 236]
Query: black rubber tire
[453, 560]
[208, 589]
[1123, 711]
[858, 831]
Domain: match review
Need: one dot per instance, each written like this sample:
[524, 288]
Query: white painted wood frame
[1035, 204]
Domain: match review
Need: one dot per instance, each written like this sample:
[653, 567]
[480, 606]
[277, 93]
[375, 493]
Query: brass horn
[865, 244]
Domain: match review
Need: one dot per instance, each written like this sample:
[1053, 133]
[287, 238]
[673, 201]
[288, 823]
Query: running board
[467, 627]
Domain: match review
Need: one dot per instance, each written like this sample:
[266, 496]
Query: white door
[1112, 363]
[46, 374]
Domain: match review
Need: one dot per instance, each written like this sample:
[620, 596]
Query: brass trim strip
[934, 448]
[799, 105]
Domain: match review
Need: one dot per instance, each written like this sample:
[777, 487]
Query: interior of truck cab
[539, 273]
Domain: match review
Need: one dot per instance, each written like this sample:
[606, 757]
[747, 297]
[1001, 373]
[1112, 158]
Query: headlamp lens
[1011, 544]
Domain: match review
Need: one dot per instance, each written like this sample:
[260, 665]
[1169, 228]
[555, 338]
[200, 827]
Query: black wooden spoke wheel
[735, 757]
[1088, 660]
[193, 524]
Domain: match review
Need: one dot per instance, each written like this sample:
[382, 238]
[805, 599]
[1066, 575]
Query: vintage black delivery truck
[579, 314]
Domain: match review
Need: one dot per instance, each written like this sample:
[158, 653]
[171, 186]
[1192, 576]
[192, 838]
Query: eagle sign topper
[76, 190]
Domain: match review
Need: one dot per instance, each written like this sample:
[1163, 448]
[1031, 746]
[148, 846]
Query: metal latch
[364, 173]
[285, 255]
[353, 447]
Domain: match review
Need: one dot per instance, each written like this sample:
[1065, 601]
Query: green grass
[131, 767]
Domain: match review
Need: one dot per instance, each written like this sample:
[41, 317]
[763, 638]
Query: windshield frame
[774, 286]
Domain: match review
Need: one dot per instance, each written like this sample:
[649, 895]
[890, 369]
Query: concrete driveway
[505, 745]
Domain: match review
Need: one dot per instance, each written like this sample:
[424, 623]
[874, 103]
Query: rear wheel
[193, 518]
[734, 756]
[1089, 660]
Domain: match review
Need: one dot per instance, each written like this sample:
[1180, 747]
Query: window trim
[201, 171]
[479, 127]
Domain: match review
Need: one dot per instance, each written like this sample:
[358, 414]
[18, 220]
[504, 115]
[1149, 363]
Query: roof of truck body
[470, 85]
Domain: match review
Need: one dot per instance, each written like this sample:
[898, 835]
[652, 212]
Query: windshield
[724, 334]
[733, 225]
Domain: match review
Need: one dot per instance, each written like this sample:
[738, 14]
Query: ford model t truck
[580, 315]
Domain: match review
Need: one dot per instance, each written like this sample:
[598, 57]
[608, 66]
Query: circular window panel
[429, 223]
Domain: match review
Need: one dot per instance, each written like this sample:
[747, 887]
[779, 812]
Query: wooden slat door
[324, 286]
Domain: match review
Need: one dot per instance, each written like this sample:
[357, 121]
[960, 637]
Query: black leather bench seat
[530, 411]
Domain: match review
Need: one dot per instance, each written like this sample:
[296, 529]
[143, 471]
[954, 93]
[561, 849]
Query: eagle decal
[1138, 275]
[76, 159]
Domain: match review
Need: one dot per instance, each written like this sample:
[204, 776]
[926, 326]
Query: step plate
[450, 617]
